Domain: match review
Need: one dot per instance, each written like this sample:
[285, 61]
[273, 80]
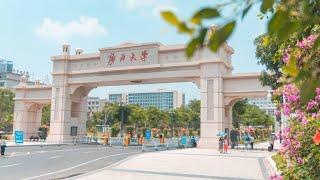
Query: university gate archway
[73, 77]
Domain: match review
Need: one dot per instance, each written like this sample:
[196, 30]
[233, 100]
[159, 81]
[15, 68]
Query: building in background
[9, 77]
[95, 104]
[162, 99]
[264, 104]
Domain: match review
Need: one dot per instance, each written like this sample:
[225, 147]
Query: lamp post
[282, 118]
[122, 118]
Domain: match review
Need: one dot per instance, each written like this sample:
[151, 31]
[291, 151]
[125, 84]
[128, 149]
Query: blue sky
[32, 31]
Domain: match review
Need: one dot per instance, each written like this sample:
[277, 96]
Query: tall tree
[138, 117]
[238, 110]
[6, 109]
[253, 116]
[46, 112]
[154, 117]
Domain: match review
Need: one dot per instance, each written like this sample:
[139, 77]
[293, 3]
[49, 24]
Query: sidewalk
[188, 164]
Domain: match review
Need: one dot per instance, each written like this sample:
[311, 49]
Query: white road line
[10, 165]
[55, 157]
[73, 167]
[88, 152]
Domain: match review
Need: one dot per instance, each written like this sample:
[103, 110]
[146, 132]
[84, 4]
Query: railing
[148, 145]
[170, 143]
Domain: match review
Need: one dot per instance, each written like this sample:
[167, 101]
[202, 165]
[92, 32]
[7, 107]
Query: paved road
[59, 162]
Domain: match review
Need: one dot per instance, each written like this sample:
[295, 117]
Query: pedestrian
[220, 145]
[251, 142]
[271, 141]
[3, 145]
[141, 139]
[225, 145]
[246, 140]
[234, 136]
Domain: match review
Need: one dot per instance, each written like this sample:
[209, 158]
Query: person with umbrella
[221, 136]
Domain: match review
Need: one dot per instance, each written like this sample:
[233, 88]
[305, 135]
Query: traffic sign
[18, 136]
[148, 134]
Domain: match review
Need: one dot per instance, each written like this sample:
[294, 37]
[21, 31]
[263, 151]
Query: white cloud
[155, 6]
[134, 4]
[59, 31]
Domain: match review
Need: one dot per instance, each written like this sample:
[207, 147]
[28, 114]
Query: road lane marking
[10, 165]
[55, 157]
[88, 152]
[79, 165]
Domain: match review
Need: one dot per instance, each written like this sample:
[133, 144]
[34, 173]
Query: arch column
[228, 119]
[27, 118]
[212, 111]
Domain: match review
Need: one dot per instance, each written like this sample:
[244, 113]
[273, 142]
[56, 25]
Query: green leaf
[183, 28]
[192, 46]
[307, 89]
[316, 44]
[291, 68]
[205, 13]
[246, 10]
[221, 35]
[266, 5]
[196, 42]
[202, 35]
[278, 20]
[287, 30]
[170, 17]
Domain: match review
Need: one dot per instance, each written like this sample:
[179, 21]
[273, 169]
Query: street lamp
[282, 118]
[122, 117]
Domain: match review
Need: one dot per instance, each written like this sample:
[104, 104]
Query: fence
[148, 145]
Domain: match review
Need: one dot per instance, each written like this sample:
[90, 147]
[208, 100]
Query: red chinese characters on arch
[112, 58]
[122, 57]
[133, 57]
[144, 55]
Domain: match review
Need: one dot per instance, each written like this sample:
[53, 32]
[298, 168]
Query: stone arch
[34, 116]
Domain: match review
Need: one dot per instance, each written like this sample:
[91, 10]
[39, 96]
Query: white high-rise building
[95, 104]
[162, 99]
[264, 104]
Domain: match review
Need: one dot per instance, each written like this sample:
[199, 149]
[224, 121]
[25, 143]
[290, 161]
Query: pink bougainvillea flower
[299, 160]
[311, 105]
[286, 58]
[291, 93]
[276, 177]
[277, 113]
[304, 121]
[286, 109]
[308, 42]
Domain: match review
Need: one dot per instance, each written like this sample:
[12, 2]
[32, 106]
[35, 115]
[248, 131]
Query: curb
[272, 165]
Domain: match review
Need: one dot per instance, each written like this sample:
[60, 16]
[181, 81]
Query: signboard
[148, 134]
[18, 136]
[130, 55]
[184, 140]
